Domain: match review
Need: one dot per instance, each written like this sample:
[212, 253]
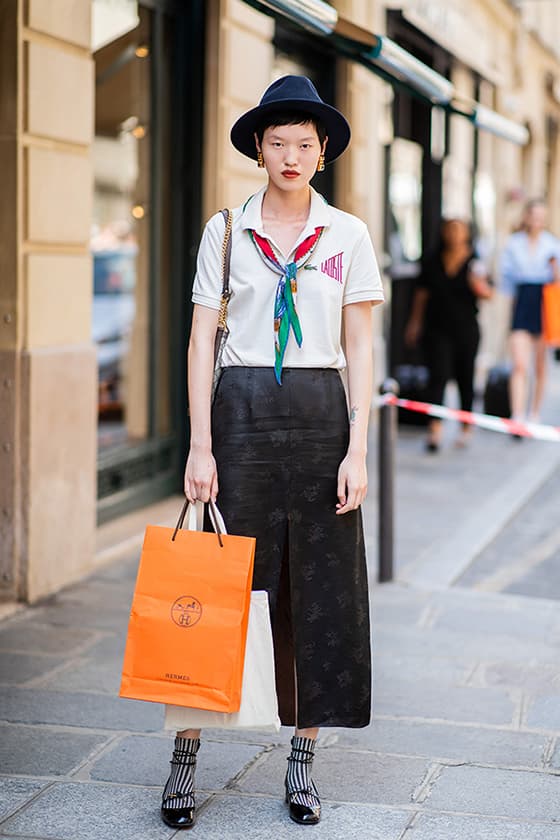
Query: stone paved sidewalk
[451, 506]
[465, 742]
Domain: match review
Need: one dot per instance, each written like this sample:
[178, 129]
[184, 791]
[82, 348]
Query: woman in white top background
[531, 259]
[279, 448]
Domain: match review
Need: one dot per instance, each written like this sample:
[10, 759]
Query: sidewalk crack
[424, 789]
[548, 751]
[260, 757]
[428, 616]
[82, 772]
[410, 825]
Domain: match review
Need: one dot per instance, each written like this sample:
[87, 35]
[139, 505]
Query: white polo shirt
[341, 270]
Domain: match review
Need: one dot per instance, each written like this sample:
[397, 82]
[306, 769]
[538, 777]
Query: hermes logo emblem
[333, 267]
[186, 611]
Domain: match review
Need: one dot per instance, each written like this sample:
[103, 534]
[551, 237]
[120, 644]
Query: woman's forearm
[360, 377]
[359, 358]
[200, 373]
[418, 309]
[415, 322]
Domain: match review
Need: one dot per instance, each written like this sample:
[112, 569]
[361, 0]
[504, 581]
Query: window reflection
[405, 202]
[119, 239]
[114, 249]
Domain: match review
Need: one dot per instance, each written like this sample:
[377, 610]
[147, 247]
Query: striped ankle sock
[299, 784]
[179, 788]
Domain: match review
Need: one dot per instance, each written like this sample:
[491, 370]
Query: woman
[444, 310]
[278, 449]
[529, 260]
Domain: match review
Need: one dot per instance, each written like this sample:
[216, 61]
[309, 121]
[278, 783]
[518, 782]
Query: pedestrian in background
[530, 260]
[444, 315]
[289, 458]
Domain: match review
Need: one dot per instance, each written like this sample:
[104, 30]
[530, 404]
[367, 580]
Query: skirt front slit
[278, 449]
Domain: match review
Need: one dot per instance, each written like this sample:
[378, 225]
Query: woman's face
[455, 234]
[291, 154]
[535, 218]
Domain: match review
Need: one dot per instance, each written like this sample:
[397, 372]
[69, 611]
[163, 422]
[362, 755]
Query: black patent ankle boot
[178, 805]
[302, 796]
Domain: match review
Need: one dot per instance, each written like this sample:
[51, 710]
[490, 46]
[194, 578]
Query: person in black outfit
[444, 313]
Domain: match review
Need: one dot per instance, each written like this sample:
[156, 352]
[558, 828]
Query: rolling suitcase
[413, 385]
[496, 392]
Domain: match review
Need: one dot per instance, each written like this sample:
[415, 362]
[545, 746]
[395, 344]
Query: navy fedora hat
[297, 94]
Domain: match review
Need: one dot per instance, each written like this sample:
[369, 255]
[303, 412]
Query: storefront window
[146, 215]
[484, 207]
[405, 202]
[120, 239]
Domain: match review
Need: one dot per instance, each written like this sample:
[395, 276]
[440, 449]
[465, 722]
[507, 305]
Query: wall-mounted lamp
[488, 120]
[315, 15]
[404, 66]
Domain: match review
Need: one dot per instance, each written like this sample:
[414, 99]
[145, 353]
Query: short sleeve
[363, 280]
[207, 287]
[508, 270]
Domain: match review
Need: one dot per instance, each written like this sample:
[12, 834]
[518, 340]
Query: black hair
[274, 118]
[449, 220]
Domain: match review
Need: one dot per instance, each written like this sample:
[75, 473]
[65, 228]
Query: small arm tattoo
[353, 413]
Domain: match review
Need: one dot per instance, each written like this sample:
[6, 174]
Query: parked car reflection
[114, 277]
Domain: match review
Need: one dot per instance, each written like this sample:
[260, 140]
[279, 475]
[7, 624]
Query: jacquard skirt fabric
[278, 449]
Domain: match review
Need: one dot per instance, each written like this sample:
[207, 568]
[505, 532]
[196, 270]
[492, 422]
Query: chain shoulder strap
[226, 262]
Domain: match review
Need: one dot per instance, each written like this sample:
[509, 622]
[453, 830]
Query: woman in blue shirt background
[530, 259]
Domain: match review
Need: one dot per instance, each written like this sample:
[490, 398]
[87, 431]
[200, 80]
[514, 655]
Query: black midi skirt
[278, 449]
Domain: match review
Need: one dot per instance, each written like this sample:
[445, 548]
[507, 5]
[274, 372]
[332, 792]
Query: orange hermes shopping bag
[551, 314]
[188, 621]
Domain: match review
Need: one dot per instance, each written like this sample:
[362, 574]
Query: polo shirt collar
[319, 214]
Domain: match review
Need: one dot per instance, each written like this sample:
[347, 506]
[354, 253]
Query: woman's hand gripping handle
[201, 476]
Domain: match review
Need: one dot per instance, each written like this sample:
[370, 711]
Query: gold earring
[321, 164]
[260, 160]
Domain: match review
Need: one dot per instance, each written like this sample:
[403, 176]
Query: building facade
[114, 141]
[101, 109]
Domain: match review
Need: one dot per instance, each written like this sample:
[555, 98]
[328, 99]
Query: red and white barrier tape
[538, 431]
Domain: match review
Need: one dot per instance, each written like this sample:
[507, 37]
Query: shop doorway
[149, 83]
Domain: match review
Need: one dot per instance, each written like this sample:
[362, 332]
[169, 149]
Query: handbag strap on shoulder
[226, 263]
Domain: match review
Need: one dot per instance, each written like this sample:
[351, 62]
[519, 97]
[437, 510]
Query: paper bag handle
[215, 518]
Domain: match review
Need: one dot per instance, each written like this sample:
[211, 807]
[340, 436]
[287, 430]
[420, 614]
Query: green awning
[390, 61]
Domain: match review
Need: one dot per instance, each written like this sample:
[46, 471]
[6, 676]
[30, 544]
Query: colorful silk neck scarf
[285, 313]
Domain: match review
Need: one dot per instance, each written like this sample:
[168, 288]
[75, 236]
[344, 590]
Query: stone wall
[47, 359]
